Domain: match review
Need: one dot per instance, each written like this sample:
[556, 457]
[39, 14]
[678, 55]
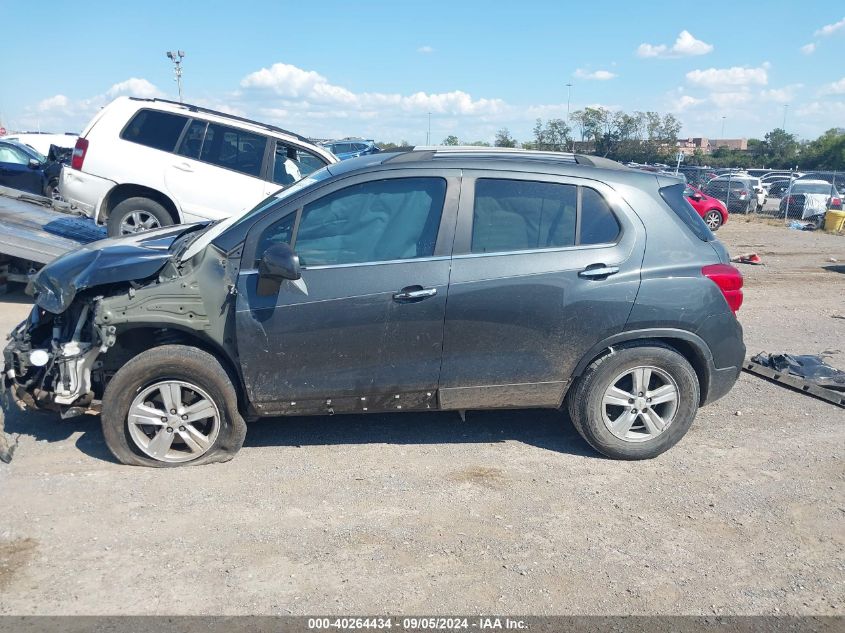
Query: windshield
[30, 151]
[811, 187]
[235, 221]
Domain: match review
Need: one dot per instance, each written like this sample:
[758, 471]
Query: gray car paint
[514, 329]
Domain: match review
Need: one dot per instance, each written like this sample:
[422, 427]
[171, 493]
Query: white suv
[145, 163]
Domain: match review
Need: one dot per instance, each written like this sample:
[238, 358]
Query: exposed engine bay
[97, 307]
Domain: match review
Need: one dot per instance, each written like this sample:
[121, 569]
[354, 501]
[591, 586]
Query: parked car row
[351, 148]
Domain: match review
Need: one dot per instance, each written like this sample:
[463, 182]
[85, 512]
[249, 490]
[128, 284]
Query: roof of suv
[176, 106]
[500, 158]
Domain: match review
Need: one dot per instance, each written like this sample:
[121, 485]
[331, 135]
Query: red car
[712, 210]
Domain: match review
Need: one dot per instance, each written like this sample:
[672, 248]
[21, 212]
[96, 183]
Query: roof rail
[429, 152]
[195, 108]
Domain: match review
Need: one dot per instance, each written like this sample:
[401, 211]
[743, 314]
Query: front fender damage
[63, 361]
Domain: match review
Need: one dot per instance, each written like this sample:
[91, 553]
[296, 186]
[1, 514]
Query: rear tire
[135, 215]
[204, 425]
[602, 423]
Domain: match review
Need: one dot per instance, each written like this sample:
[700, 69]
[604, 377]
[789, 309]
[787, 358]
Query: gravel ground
[509, 512]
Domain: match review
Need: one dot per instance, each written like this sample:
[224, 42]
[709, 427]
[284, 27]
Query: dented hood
[104, 262]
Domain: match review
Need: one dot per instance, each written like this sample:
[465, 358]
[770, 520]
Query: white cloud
[685, 102]
[63, 113]
[809, 49]
[600, 75]
[830, 29]
[57, 102]
[835, 88]
[309, 87]
[134, 87]
[720, 79]
[425, 50]
[781, 95]
[685, 46]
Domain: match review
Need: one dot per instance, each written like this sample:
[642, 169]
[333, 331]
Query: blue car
[351, 148]
[23, 168]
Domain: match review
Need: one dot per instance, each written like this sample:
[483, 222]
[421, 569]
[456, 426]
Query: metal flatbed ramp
[32, 229]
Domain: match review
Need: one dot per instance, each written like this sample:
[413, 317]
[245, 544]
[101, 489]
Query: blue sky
[376, 68]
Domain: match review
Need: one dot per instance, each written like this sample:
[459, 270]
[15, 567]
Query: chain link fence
[782, 194]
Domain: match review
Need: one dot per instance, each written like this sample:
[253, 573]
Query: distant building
[740, 144]
[688, 146]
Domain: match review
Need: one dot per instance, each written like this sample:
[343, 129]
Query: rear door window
[518, 215]
[156, 129]
[234, 149]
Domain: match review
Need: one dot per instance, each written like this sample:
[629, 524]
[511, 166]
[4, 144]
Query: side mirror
[696, 196]
[34, 164]
[278, 263]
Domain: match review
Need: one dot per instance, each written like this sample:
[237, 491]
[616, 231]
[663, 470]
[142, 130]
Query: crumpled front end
[50, 360]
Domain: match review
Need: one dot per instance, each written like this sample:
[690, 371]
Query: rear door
[217, 170]
[362, 330]
[543, 269]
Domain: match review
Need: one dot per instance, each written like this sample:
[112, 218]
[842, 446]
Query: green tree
[553, 136]
[451, 140]
[504, 138]
[826, 152]
[781, 148]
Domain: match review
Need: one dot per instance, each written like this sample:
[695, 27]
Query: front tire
[170, 406]
[636, 402]
[136, 215]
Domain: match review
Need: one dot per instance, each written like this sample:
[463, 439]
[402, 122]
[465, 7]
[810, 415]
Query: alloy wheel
[138, 221]
[640, 404]
[173, 421]
[713, 220]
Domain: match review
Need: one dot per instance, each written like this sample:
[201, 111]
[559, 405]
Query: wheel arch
[689, 345]
[133, 340]
[124, 191]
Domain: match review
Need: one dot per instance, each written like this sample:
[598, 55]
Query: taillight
[729, 280]
[836, 203]
[743, 193]
[78, 156]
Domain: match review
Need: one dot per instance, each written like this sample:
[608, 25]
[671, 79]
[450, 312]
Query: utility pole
[568, 100]
[785, 106]
[176, 58]
[723, 129]
[428, 135]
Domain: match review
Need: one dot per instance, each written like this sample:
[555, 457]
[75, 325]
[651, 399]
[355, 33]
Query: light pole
[723, 129]
[785, 107]
[428, 135]
[176, 58]
[568, 100]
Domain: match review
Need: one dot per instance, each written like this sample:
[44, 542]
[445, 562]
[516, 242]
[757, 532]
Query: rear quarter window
[152, 128]
[674, 197]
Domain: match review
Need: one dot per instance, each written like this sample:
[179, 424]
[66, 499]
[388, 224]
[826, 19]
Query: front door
[362, 330]
[543, 269]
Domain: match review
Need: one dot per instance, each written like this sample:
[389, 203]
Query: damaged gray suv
[427, 280]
